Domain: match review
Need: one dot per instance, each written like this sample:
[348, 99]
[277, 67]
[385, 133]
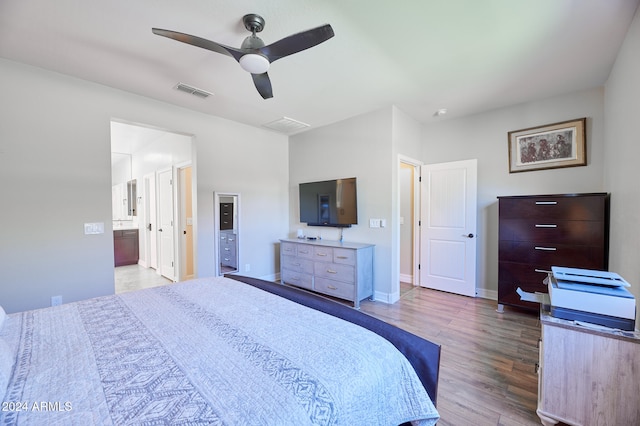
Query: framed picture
[548, 147]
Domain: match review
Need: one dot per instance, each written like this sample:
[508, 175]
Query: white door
[165, 223]
[448, 227]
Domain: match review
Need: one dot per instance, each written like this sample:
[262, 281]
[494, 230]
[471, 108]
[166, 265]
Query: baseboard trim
[406, 278]
[487, 294]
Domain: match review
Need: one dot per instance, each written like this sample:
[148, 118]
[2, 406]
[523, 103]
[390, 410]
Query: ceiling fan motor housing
[254, 23]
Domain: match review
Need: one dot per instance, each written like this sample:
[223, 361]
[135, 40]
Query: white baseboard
[487, 294]
[406, 278]
[272, 277]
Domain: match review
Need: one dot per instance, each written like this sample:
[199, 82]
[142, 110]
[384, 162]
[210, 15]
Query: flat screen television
[329, 203]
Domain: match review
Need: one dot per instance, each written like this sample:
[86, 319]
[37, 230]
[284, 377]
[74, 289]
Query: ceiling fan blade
[297, 42]
[263, 84]
[200, 42]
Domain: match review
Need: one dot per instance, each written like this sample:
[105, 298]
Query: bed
[212, 351]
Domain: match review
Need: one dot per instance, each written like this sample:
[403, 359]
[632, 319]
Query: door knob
[160, 230]
[469, 235]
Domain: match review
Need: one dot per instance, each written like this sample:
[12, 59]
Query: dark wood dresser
[540, 231]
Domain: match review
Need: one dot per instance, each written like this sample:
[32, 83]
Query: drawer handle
[331, 271]
[230, 239]
[330, 287]
[542, 270]
[227, 249]
[321, 254]
[538, 225]
[296, 264]
[303, 251]
[546, 203]
[342, 257]
[546, 248]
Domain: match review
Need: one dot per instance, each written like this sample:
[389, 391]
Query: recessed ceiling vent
[203, 94]
[286, 125]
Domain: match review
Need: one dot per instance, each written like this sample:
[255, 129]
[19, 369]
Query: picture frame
[550, 146]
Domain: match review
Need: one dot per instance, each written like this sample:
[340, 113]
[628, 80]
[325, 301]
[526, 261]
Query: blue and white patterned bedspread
[206, 352]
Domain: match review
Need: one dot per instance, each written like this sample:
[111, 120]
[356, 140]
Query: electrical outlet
[247, 267]
[56, 300]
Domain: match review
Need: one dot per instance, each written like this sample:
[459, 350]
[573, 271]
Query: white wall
[484, 136]
[622, 103]
[358, 147]
[406, 144]
[55, 165]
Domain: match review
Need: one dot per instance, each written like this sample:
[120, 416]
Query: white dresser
[338, 269]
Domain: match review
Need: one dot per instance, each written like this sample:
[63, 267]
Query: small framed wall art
[548, 147]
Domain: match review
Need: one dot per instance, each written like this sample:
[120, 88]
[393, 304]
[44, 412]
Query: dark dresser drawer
[570, 207]
[552, 254]
[580, 232]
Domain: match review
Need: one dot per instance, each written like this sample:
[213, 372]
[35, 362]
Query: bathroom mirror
[132, 199]
[123, 187]
[227, 231]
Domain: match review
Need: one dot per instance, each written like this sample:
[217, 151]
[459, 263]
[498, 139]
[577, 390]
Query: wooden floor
[487, 367]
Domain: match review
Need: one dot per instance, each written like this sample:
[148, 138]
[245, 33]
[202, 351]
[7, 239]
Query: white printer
[597, 297]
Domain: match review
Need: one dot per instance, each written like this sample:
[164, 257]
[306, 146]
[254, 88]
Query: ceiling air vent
[193, 90]
[286, 125]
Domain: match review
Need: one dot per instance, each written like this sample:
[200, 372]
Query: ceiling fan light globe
[254, 63]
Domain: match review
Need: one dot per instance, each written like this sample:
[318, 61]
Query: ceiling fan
[253, 56]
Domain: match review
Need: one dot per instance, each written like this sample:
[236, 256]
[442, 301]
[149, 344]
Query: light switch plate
[94, 228]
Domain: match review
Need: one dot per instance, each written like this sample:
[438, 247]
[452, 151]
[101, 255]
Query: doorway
[437, 226]
[409, 206]
[159, 158]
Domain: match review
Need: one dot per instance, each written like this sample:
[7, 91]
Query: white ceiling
[464, 55]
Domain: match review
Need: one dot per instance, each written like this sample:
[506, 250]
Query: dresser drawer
[297, 264]
[324, 254]
[555, 208]
[304, 251]
[335, 271]
[297, 278]
[228, 252]
[228, 259]
[344, 256]
[561, 231]
[542, 253]
[526, 276]
[334, 288]
[288, 249]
